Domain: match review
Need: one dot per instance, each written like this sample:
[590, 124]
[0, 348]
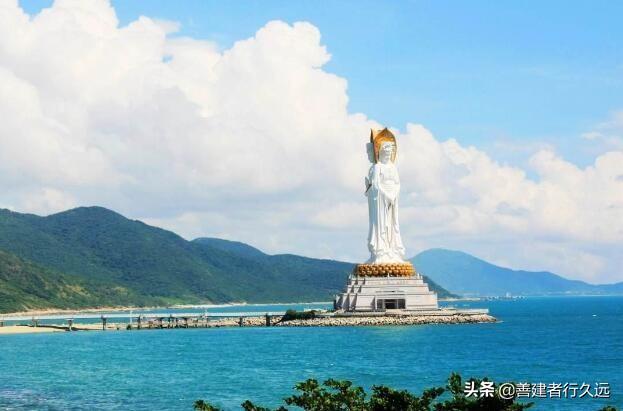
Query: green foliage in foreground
[335, 395]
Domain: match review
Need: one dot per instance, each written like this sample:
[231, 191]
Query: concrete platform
[371, 293]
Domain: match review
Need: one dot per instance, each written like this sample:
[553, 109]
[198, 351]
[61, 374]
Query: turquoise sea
[562, 339]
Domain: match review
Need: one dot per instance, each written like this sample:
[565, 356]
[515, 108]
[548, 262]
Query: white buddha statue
[382, 189]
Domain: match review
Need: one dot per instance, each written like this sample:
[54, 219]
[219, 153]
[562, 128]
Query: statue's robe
[384, 240]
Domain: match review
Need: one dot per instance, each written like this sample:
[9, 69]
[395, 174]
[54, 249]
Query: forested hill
[91, 256]
[26, 285]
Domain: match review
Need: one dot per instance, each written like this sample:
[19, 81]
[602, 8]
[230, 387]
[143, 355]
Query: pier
[125, 315]
[142, 320]
[170, 320]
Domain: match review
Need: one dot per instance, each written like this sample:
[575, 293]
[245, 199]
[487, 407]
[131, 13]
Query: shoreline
[51, 311]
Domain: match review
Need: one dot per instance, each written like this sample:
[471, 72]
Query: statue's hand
[368, 184]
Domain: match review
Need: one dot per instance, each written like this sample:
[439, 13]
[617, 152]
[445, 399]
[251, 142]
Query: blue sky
[517, 73]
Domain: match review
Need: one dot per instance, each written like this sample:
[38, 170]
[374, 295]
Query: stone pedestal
[381, 287]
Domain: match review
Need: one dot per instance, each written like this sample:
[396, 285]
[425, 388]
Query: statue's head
[386, 152]
[380, 139]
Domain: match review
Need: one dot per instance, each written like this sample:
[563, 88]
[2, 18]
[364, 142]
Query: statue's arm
[372, 184]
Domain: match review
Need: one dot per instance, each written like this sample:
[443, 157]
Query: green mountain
[95, 243]
[467, 275]
[25, 285]
[157, 265]
[91, 256]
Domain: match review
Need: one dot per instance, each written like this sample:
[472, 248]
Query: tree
[387, 399]
[201, 405]
[336, 395]
[460, 401]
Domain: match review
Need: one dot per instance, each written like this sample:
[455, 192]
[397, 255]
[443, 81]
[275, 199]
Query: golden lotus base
[384, 270]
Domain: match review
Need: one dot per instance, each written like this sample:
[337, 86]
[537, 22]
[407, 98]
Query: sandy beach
[26, 329]
[55, 328]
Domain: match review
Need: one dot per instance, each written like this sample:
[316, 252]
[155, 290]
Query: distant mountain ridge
[467, 275]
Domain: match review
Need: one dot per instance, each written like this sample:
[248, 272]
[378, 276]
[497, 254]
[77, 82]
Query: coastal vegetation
[92, 257]
[334, 395]
[292, 315]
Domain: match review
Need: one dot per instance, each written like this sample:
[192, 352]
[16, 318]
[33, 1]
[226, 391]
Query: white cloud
[255, 143]
[46, 200]
[608, 134]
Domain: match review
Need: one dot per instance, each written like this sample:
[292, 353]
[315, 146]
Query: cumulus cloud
[256, 143]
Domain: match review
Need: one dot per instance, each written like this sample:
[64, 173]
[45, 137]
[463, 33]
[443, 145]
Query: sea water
[554, 339]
